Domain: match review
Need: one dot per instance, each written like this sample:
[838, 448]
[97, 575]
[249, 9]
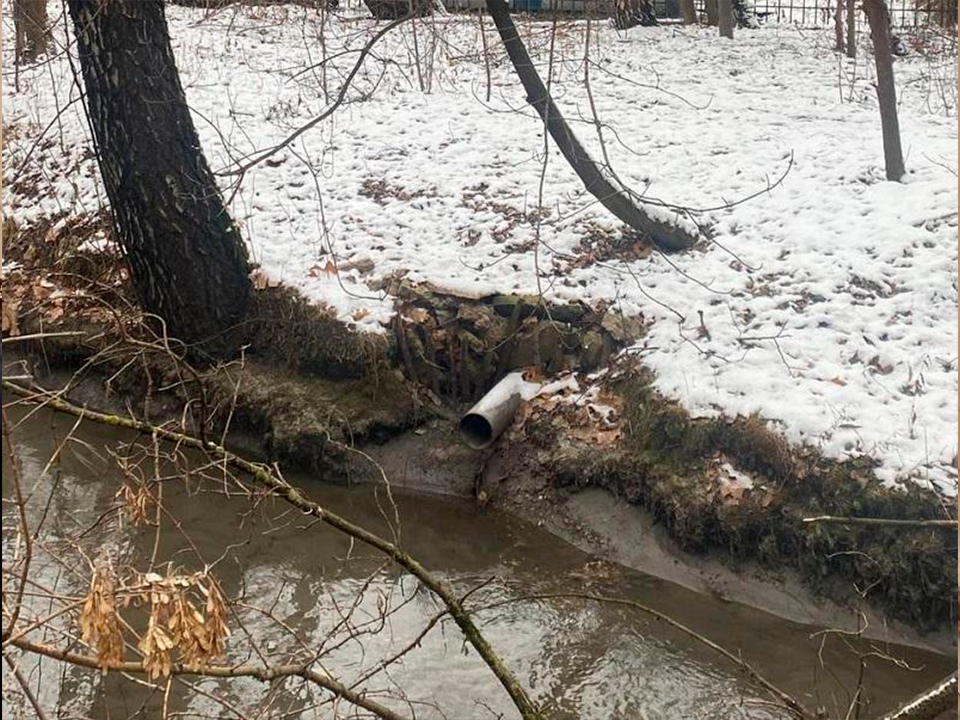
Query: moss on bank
[311, 422]
[664, 464]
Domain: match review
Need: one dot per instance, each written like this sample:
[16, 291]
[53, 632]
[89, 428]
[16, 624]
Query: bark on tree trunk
[851, 28]
[630, 13]
[712, 12]
[879, 20]
[30, 22]
[838, 27]
[615, 199]
[725, 18]
[187, 259]
[689, 12]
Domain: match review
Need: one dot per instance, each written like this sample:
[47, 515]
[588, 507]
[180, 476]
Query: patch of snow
[568, 382]
[736, 477]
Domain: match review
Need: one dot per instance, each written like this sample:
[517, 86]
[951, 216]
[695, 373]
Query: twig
[241, 171]
[786, 700]
[42, 335]
[947, 524]
[264, 674]
[25, 686]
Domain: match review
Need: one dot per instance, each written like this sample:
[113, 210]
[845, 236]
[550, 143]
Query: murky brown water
[581, 660]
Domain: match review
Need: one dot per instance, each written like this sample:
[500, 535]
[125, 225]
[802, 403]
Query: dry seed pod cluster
[187, 616]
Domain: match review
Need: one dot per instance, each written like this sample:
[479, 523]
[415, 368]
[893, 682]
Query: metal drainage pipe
[492, 414]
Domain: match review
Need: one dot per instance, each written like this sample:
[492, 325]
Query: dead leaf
[364, 266]
[419, 316]
[876, 363]
[359, 314]
[259, 280]
[10, 319]
[317, 270]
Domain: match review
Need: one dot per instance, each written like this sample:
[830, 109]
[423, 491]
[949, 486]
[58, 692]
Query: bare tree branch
[259, 672]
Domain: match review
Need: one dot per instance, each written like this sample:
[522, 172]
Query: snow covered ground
[828, 304]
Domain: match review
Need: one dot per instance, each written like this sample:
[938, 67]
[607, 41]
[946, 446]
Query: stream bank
[601, 459]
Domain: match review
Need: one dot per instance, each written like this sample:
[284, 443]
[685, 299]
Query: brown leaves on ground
[187, 620]
[734, 487]
[591, 415]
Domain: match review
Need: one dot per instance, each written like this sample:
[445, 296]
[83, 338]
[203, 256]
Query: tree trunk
[838, 27]
[187, 259]
[879, 20]
[31, 28]
[689, 12]
[615, 199]
[725, 18]
[851, 28]
[713, 15]
[744, 15]
[630, 13]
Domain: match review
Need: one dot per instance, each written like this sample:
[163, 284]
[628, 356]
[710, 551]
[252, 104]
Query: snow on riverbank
[828, 304]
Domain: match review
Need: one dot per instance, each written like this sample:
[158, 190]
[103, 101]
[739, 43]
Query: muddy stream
[580, 660]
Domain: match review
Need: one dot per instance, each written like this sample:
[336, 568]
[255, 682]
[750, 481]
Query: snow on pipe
[493, 413]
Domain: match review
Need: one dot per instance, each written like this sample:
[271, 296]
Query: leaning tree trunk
[187, 259]
[725, 18]
[851, 28]
[630, 13]
[876, 11]
[618, 200]
[31, 31]
[689, 12]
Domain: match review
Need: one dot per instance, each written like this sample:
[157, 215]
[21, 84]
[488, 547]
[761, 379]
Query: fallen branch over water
[787, 701]
[930, 703]
[266, 477]
[262, 673]
[836, 520]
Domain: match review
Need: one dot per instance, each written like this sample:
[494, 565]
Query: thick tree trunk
[879, 20]
[725, 18]
[851, 28]
[615, 199]
[689, 12]
[713, 14]
[630, 13]
[187, 259]
[31, 28]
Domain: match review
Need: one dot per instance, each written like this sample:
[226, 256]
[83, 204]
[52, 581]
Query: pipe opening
[476, 431]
